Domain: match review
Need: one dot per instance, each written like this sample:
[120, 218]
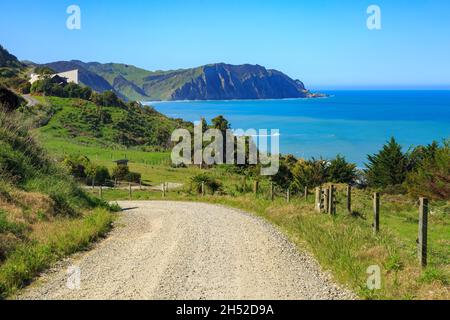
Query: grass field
[49, 241]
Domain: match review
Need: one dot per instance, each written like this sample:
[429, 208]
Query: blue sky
[325, 43]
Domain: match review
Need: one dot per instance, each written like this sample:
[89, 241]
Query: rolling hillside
[85, 123]
[209, 82]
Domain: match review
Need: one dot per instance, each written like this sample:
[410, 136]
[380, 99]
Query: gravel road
[178, 250]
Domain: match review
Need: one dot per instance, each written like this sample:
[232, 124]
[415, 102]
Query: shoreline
[148, 103]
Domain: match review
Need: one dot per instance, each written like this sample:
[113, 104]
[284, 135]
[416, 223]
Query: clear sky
[325, 43]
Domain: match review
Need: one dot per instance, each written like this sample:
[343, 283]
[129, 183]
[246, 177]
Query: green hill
[8, 60]
[86, 123]
[209, 82]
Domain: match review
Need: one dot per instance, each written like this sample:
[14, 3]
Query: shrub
[133, 177]
[340, 171]
[9, 101]
[99, 174]
[310, 173]
[120, 172]
[25, 87]
[107, 99]
[284, 176]
[51, 87]
[431, 177]
[77, 165]
[211, 184]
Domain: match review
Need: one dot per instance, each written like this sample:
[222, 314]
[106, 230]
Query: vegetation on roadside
[44, 214]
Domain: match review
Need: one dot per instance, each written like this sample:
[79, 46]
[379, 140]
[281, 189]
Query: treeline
[82, 169]
[57, 88]
[422, 171]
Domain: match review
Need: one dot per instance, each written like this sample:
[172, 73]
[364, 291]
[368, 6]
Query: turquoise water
[351, 123]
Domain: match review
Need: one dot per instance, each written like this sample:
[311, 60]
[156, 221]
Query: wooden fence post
[331, 201]
[93, 183]
[349, 199]
[318, 196]
[140, 183]
[306, 193]
[326, 195]
[129, 191]
[203, 188]
[256, 187]
[376, 212]
[101, 192]
[271, 191]
[288, 195]
[422, 243]
[164, 189]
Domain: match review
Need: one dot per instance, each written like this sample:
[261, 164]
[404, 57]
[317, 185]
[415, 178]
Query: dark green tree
[223, 125]
[341, 171]
[388, 167]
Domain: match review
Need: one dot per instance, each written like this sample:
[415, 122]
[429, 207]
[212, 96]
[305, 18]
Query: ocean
[351, 123]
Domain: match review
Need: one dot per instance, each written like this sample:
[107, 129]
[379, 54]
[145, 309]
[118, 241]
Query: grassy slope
[80, 122]
[44, 215]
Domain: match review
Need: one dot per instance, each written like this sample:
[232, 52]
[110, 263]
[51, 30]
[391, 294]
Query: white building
[70, 76]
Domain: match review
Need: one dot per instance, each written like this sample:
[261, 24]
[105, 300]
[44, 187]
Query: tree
[107, 99]
[284, 177]
[77, 165]
[121, 172]
[99, 174]
[44, 70]
[223, 125]
[431, 177]
[340, 171]
[310, 173]
[388, 167]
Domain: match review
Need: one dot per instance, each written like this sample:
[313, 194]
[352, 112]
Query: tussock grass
[44, 214]
[63, 237]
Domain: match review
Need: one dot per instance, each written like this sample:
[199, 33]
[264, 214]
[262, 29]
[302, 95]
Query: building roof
[121, 161]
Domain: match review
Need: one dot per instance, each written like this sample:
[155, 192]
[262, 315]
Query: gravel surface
[179, 250]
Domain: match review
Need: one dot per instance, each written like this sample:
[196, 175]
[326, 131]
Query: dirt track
[177, 250]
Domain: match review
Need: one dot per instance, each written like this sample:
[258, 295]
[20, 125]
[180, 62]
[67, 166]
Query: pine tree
[388, 167]
[340, 171]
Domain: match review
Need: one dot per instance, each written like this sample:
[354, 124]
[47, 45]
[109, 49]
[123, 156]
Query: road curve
[179, 250]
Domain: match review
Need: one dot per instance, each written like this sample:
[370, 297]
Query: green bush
[77, 165]
[9, 101]
[309, 173]
[120, 172]
[340, 171]
[431, 177]
[133, 177]
[51, 87]
[210, 183]
[99, 174]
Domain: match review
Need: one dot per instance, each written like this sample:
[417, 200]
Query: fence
[326, 202]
